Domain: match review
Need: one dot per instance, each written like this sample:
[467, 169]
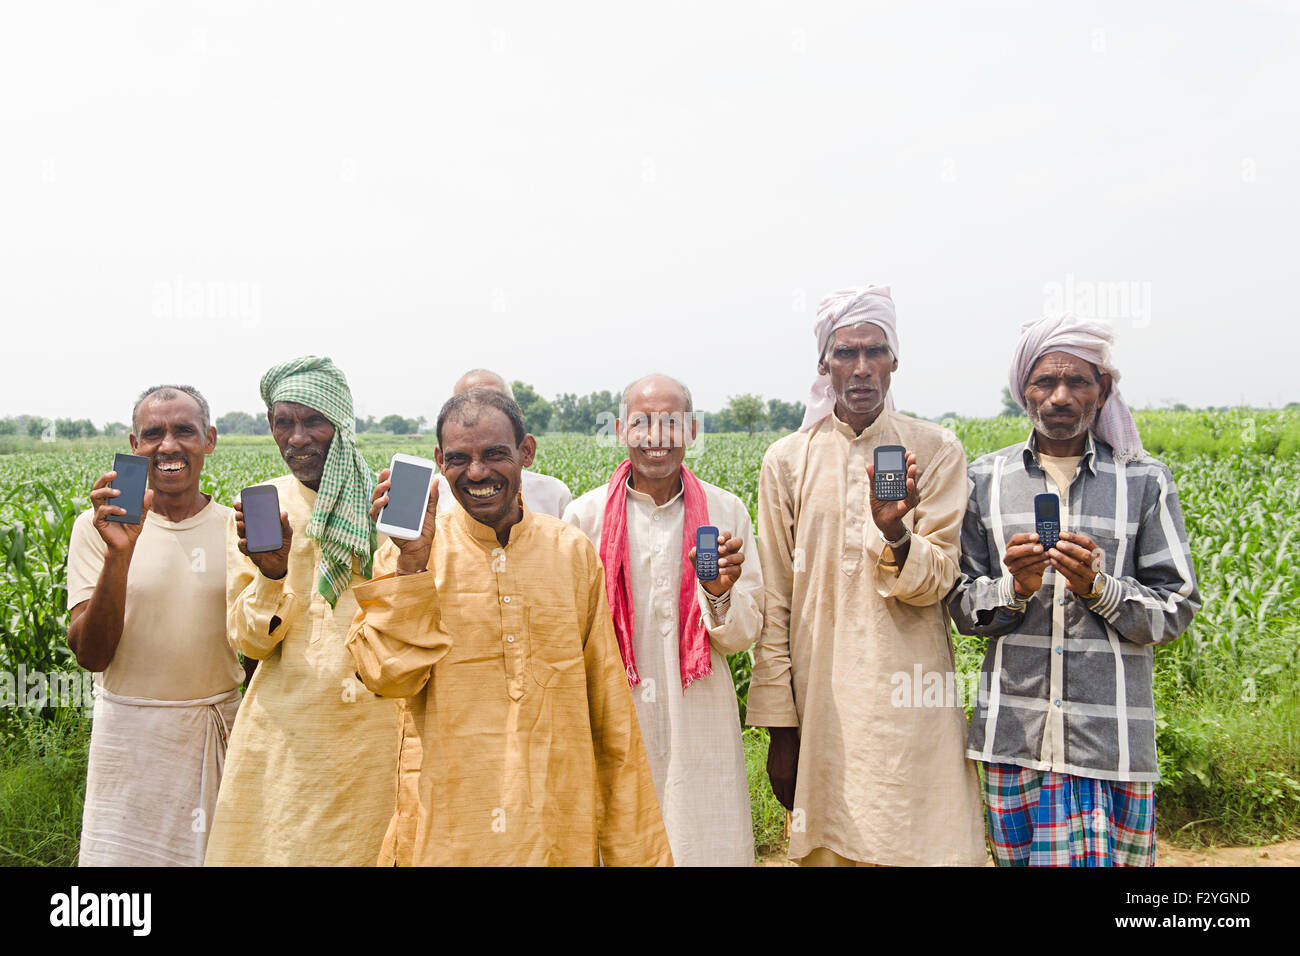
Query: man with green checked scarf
[309, 778]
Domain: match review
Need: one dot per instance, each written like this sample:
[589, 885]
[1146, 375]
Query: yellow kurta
[520, 717]
[857, 653]
[309, 778]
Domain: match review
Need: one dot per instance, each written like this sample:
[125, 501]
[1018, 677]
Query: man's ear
[134, 442]
[437, 457]
[270, 419]
[1107, 382]
[527, 450]
[211, 445]
[823, 368]
[620, 429]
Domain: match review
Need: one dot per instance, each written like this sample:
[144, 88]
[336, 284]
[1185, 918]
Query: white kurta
[693, 739]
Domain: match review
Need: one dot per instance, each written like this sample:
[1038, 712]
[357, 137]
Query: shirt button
[657, 549]
[1060, 649]
[1057, 702]
[1060, 600]
[656, 517]
[662, 582]
[510, 638]
[506, 599]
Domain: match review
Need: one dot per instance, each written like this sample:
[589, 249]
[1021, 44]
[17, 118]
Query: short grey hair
[163, 393]
[622, 408]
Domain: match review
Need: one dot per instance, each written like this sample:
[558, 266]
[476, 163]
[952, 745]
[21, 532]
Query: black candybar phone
[891, 473]
[1047, 519]
[706, 553]
[261, 507]
[132, 470]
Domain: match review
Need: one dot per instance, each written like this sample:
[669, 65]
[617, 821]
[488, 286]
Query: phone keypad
[890, 486]
[1048, 534]
[706, 566]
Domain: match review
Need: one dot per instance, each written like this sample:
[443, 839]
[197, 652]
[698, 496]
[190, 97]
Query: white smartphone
[408, 496]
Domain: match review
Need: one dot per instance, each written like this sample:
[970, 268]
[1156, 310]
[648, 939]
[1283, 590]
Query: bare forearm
[95, 633]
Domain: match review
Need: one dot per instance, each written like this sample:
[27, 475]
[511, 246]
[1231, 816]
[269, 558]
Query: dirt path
[1273, 854]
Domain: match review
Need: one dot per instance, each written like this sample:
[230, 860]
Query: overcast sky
[577, 194]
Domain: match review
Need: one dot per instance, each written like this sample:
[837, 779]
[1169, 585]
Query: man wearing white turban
[1065, 721]
[869, 763]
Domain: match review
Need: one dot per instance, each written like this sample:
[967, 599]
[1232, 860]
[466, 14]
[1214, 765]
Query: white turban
[1090, 340]
[871, 304]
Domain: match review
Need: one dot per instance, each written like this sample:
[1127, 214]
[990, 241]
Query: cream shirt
[857, 653]
[692, 738]
[173, 643]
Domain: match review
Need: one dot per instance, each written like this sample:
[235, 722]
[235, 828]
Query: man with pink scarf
[853, 674]
[1065, 722]
[674, 631]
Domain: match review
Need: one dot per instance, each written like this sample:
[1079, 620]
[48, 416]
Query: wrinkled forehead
[178, 409]
[1058, 364]
[655, 396]
[476, 429]
[863, 335]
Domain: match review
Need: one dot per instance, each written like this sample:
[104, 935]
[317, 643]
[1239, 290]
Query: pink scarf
[692, 638]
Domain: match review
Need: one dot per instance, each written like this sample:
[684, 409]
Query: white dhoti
[151, 785]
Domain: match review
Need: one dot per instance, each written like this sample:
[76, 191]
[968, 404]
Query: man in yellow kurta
[310, 774]
[494, 624]
[854, 672]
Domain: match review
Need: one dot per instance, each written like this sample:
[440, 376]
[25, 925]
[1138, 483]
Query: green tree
[784, 416]
[8, 426]
[235, 423]
[536, 410]
[746, 411]
[117, 428]
[394, 425]
[34, 427]
[1010, 409]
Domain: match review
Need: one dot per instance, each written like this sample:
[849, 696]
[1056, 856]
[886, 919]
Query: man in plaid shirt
[1065, 722]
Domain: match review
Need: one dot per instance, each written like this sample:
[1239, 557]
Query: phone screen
[407, 496]
[1047, 507]
[889, 461]
[132, 470]
[262, 519]
[708, 541]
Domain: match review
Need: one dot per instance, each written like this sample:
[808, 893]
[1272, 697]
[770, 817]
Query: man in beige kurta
[311, 774]
[868, 758]
[493, 625]
[692, 735]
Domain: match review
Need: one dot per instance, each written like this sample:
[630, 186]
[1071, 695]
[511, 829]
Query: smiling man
[148, 616]
[313, 758]
[674, 631]
[854, 609]
[544, 494]
[493, 625]
[1065, 721]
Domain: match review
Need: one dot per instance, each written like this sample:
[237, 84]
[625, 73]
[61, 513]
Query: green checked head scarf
[340, 519]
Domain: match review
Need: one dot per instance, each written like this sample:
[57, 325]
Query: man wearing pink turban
[850, 671]
[1065, 721]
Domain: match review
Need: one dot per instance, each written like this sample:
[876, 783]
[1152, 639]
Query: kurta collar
[1029, 453]
[869, 434]
[486, 534]
[642, 496]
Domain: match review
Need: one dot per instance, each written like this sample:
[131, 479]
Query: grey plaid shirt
[1066, 683]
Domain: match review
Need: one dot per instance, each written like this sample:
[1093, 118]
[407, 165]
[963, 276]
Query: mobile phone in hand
[261, 507]
[706, 553]
[410, 479]
[890, 483]
[1047, 519]
[132, 471]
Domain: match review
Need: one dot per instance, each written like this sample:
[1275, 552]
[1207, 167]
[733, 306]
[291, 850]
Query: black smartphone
[1047, 519]
[706, 553]
[132, 472]
[261, 507]
[891, 473]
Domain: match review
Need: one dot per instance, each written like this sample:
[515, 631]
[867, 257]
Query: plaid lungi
[1042, 818]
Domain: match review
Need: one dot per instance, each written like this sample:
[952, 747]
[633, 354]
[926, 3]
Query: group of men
[542, 680]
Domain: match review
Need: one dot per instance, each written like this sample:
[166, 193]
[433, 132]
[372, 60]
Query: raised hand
[413, 553]
[272, 564]
[1077, 557]
[729, 561]
[888, 515]
[1026, 562]
[119, 537]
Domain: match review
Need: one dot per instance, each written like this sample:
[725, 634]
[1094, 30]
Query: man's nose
[1061, 394]
[299, 437]
[862, 367]
[477, 470]
[169, 444]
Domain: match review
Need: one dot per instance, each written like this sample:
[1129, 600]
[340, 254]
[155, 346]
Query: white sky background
[577, 195]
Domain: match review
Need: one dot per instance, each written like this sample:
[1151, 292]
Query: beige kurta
[853, 648]
[521, 729]
[309, 778]
[693, 738]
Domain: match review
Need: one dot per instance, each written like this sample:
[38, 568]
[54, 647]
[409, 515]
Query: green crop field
[1227, 692]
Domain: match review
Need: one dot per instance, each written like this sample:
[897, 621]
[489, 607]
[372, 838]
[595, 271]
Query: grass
[42, 785]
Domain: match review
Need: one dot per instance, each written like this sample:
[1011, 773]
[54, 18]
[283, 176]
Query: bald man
[544, 494]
